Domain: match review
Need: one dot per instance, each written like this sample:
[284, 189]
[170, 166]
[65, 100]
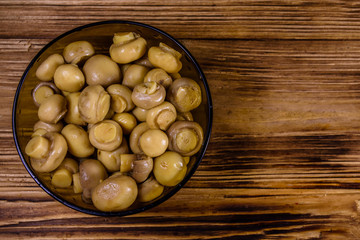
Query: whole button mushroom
[52, 109]
[77, 52]
[169, 169]
[101, 69]
[69, 78]
[161, 116]
[148, 95]
[185, 137]
[46, 152]
[120, 98]
[165, 57]
[111, 159]
[160, 76]
[46, 70]
[106, 135]
[184, 94]
[134, 75]
[115, 193]
[91, 173]
[78, 141]
[94, 104]
[127, 121]
[42, 91]
[142, 167]
[127, 47]
[154, 142]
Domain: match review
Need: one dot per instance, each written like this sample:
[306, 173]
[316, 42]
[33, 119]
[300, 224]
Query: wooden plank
[300, 19]
[226, 213]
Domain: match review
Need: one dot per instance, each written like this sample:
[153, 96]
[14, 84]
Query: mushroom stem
[38, 147]
[57, 152]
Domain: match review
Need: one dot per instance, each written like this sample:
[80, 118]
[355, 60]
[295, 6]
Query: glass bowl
[100, 35]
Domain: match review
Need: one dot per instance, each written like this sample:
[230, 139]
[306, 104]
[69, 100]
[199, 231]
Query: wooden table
[284, 157]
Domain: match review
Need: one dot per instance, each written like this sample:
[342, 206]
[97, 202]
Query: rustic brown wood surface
[284, 156]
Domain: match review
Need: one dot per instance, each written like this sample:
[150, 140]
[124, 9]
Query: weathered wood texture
[284, 156]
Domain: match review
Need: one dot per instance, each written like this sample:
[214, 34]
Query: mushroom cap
[160, 76]
[142, 167]
[78, 141]
[94, 104]
[154, 142]
[70, 164]
[165, 57]
[92, 172]
[78, 51]
[46, 70]
[185, 137]
[124, 53]
[148, 95]
[127, 121]
[115, 193]
[69, 78]
[134, 75]
[101, 69]
[161, 116]
[52, 109]
[120, 98]
[184, 94]
[106, 135]
[150, 189]
[140, 113]
[169, 168]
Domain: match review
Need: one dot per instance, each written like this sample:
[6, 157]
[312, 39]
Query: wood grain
[284, 156]
[221, 19]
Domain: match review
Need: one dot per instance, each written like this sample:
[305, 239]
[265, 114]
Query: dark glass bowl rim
[174, 189]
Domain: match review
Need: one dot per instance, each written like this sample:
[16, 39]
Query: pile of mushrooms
[115, 128]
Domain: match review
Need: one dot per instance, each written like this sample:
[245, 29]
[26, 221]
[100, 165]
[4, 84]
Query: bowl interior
[100, 35]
